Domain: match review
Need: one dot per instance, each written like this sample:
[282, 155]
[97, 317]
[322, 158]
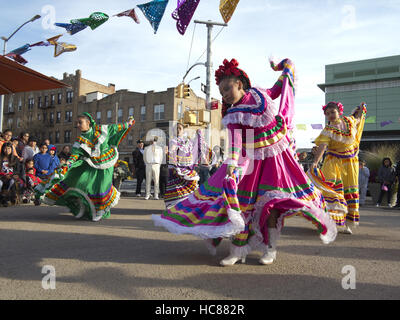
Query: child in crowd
[31, 181]
[43, 161]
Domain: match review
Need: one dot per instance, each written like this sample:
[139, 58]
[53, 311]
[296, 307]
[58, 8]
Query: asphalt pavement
[127, 257]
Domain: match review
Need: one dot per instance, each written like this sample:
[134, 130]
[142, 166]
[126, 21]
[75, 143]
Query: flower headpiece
[230, 68]
[337, 104]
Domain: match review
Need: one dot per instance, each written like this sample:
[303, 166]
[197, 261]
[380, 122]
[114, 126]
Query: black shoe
[37, 202]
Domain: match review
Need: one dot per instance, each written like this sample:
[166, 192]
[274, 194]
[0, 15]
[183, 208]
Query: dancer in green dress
[86, 188]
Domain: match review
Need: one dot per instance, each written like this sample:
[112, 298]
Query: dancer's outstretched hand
[229, 170]
[131, 121]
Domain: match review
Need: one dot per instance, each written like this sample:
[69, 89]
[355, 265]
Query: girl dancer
[86, 188]
[182, 178]
[261, 183]
[338, 177]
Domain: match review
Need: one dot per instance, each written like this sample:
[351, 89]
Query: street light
[193, 79]
[4, 53]
[7, 39]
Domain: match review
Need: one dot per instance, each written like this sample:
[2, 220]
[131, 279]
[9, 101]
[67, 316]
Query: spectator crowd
[25, 162]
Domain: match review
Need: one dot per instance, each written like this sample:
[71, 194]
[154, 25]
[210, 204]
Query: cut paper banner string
[94, 21]
[154, 11]
[61, 47]
[16, 57]
[371, 119]
[317, 126]
[302, 127]
[227, 8]
[386, 123]
[41, 44]
[54, 40]
[184, 13]
[72, 28]
[129, 13]
[21, 50]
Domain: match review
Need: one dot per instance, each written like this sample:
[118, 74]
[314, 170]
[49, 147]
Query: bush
[375, 155]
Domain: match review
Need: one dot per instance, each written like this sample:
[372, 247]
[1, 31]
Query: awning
[15, 77]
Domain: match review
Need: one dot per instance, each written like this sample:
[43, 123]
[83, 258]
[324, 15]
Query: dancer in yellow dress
[338, 177]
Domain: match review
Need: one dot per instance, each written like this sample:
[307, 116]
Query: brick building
[53, 113]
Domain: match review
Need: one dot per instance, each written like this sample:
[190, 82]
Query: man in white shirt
[153, 157]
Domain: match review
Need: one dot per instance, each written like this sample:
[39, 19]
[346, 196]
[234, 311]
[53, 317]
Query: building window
[46, 101]
[39, 117]
[143, 113]
[53, 100]
[158, 112]
[10, 106]
[67, 136]
[142, 132]
[70, 96]
[120, 115]
[39, 102]
[130, 140]
[57, 140]
[180, 111]
[59, 98]
[50, 136]
[68, 116]
[58, 119]
[51, 117]
[19, 123]
[109, 116]
[31, 103]
[131, 112]
[98, 116]
[19, 104]
[10, 122]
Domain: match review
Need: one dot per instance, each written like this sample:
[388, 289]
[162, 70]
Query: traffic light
[179, 91]
[186, 91]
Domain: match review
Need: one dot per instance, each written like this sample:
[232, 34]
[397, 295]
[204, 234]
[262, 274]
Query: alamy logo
[49, 17]
[349, 280]
[349, 20]
[49, 280]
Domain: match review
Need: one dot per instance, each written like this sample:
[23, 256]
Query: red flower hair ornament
[338, 104]
[230, 68]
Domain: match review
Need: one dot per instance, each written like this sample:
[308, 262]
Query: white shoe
[377, 205]
[268, 258]
[97, 217]
[146, 197]
[345, 230]
[156, 198]
[231, 260]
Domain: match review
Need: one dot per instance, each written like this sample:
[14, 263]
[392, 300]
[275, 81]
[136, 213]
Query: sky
[312, 33]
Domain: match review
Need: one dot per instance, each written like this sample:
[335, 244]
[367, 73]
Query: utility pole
[210, 24]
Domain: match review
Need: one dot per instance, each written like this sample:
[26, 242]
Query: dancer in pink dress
[261, 183]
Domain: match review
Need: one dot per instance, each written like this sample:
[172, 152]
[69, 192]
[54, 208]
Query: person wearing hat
[86, 187]
[260, 183]
[139, 166]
